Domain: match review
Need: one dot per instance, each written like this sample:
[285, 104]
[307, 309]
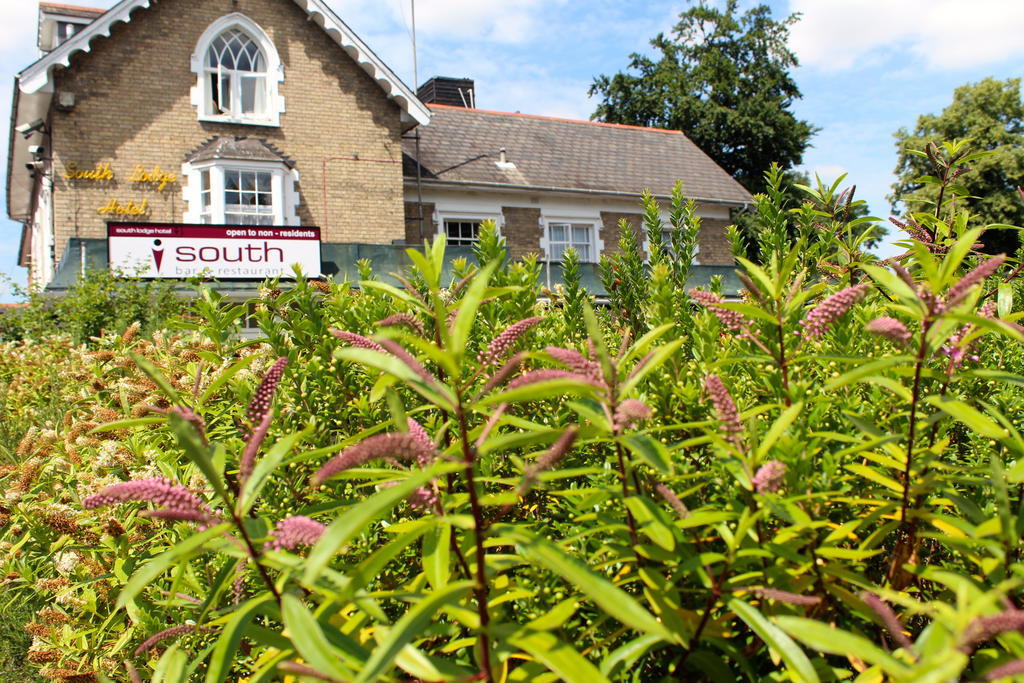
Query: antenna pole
[415, 57]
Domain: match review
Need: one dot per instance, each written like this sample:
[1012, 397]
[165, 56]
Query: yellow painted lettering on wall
[157, 176]
[101, 173]
[118, 208]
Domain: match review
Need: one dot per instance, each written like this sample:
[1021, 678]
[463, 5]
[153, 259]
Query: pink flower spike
[731, 320]
[959, 291]
[418, 433]
[536, 376]
[1014, 668]
[405, 320]
[769, 477]
[576, 361]
[358, 341]
[264, 395]
[787, 597]
[161, 492]
[252, 447]
[392, 445]
[888, 617]
[172, 632]
[831, 309]
[396, 350]
[295, 531]
[891, 329]
[552, 457]
[498, 349]
[630, 413]
[725, 408]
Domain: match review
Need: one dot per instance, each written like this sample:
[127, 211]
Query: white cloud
[834, 35]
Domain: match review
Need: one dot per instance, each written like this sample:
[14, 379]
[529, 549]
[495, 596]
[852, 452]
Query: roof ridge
[82, 8]
[562, 119]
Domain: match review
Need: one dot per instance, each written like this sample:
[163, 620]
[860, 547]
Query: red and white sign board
[222, 252]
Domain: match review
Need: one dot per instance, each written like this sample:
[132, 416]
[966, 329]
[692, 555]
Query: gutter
[10, 143]
[462, 184]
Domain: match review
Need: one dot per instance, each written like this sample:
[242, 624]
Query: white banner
[223, 252]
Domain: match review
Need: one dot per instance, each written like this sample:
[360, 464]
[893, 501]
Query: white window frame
[275, 105]
[443, 216]
[282, 185]
[596, 243]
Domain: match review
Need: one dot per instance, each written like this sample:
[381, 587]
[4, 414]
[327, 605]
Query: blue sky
[867, 68]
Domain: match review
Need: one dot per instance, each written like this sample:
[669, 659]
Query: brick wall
[714, 245]
[522, 231]
[412, 223]
[133, 107]
[611, 233]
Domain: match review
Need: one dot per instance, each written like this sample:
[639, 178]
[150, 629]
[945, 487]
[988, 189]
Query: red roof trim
[556, 118]
[56, 5]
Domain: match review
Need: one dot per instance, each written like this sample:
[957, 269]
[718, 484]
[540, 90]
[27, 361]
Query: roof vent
[455, 92]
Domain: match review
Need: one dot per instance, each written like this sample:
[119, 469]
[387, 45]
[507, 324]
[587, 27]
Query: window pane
[231, 198]
[204, 181]
[225, 94]
[247, 181]
[249, 95]
[558, 233]
[581, 233]
[263, 182]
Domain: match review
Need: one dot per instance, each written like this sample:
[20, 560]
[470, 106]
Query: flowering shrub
[451, 481]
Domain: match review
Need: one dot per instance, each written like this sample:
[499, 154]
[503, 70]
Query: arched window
[238, 74]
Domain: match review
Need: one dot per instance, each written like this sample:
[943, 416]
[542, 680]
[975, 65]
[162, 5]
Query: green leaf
[199, 453]
[385, 362]
[153, 372]
[158, 565]
[359, 516]
[650, 450]
[790, 652]
[171, 667]
[780, 425]
[126, 424]
[407, 628]
[309, 640]
[437, 555]
[615, 602]
[225, 376]
[557, 656]
[970, 416]
[652, 522]
[836, 641]
[661, 355]
[1004, 300]
[265, 466]
[865, 370]
[468, 306]
[539, 391]
[223, 656]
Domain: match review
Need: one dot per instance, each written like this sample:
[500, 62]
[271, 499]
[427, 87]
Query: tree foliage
[991, 114]
[722, 78]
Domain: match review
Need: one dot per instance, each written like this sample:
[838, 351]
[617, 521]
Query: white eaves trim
[37, 77]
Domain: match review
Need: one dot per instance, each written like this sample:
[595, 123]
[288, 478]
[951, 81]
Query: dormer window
[65, 31]
[238, 72]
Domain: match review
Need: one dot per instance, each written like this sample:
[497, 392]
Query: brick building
[273, 114]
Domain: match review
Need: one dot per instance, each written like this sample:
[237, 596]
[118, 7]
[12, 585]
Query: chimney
[456, 92]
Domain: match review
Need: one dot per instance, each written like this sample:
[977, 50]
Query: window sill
[266, 123]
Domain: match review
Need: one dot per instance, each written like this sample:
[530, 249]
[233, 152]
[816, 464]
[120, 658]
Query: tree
[723, 79]
[991, 115]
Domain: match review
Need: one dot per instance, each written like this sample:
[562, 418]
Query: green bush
[99, 301]
[451, 481]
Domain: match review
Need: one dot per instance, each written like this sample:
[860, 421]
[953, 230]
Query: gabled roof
[37, 77]
[237, 149]
[70, 10]
[545, 153]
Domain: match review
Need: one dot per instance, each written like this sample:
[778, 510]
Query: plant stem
[911, 432]
[783, 364]
[480, 590]
[625, 494]
[255, 556]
